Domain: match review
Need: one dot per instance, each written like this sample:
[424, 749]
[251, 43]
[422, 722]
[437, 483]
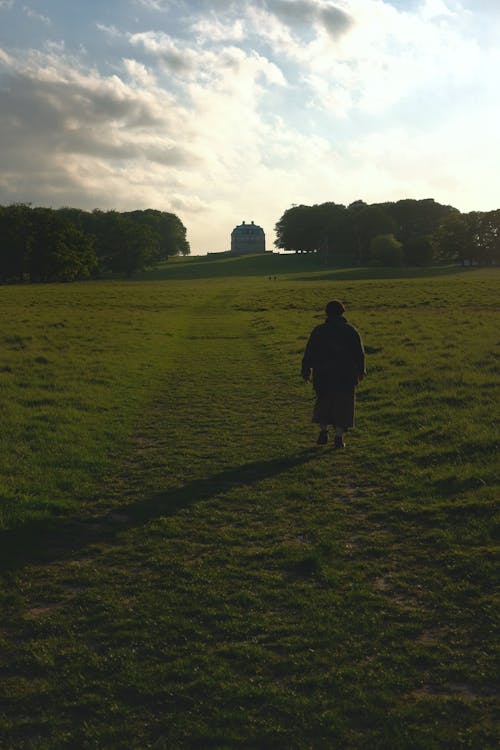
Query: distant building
[248, 238]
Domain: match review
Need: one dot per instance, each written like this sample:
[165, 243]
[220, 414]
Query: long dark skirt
[335, 408]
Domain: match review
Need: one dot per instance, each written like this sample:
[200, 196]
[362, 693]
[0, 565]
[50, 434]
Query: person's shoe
[338, 442]
[322, 437]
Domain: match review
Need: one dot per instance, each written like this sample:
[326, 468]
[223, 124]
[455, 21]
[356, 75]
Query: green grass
[308, 267]
[183, 568]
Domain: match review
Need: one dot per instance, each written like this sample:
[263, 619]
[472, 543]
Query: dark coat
[335, 355]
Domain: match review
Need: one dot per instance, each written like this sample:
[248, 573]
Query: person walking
[336, 357]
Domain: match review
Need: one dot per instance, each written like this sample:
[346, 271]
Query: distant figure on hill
[336, 356]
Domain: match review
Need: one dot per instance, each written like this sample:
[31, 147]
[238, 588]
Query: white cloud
[131, 143]
[434, 9]
[228, 111]
[34, 15]
[271, 30]
[159, 44]
[382, 58]
[160, 5]
[111, 31]
[223, 64]
[455, 163]
[5, 58]
[213, 30]
[76, 129]
[140, 74]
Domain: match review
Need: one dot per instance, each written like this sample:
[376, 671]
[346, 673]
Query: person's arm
[307, 359]
[359, 356]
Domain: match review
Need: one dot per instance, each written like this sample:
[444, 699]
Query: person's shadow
[63, 537]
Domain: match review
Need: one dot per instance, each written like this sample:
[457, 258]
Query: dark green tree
[484, 234]
[331, 218]
[336, 232]
[59, 251]
[386, 250]
[416, 218]
[297, 230]
[16, 236]
[169, 229]
[492, 250]
[364, 224]
[418, 251]
[452, 240]
[311, 229]
[124, 245]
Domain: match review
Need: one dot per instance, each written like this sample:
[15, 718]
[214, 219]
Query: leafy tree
[331, 246]
[80, 219]
[386, 250]
[418, 251]
[122, 244]
[47, 245]
[118, 237]
[296, 230]
[16, 235]
[59, 251]
[416, 218]
[484, 232]
[310, 229]
[170, 231]
[140, 247]
[452, 240]
[367, 223]
[340, 233]
[492, 249]
[333, 230]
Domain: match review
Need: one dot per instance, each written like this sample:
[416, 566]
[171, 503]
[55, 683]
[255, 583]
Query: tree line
[66, 244]
[410, 232]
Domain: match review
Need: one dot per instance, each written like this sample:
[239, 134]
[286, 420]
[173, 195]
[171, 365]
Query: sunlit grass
[184, 568]
[78, 365]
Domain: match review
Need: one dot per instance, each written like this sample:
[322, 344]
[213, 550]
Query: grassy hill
[182, 567]
[217, 265]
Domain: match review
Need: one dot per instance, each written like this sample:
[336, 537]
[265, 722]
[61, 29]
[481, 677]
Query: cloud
[111, 31]
[434, 9]
[226, 111]
[213, 30]
[293, 11]
[73, 135]
[6, 4]
[206, 65]
[165, 48]
[34, 15]
[6, 59]
[336, 21]
[450, 163]
[75, 130]
[140, 73]
[301, 13]
[159, 5]
[382, 58]
[188, 204]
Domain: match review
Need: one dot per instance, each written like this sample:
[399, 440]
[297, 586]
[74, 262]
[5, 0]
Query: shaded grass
[266, 266]
[225, 584]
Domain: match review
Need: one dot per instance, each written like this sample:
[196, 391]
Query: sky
[223, 112]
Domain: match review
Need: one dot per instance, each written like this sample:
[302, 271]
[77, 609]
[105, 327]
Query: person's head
[334, 309]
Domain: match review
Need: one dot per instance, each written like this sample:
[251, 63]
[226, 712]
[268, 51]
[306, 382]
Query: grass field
[183, 568]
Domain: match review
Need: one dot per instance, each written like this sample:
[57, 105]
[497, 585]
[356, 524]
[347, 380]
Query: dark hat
[334, 308]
